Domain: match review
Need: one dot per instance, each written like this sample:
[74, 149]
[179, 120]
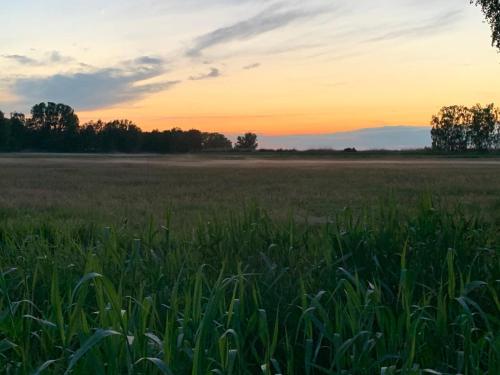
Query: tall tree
[491, 9]
[90, 136]
[54, 117]
[55, 126]
[458, 128]
[19, 135]
[121, 136]
[482, 127]
[247, 142]
[194, 140]
[216, 141]
[5, 135]
[449, 129]
[496, 132]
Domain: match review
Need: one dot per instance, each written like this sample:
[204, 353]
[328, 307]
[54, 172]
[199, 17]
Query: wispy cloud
[57, 57]
[49, 58]
[274, 17]
[252, 66]
[214, 73]
[96, 88]
[426, 27]
[21, 59]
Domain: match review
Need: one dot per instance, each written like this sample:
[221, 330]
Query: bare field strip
[239, 162]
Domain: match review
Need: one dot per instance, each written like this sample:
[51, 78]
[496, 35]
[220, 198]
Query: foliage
[491, 9]
[247, 142]
[55, 126]
[216, 141]
[386, 293]
[484, 128]
[458, 128]
[4, 131]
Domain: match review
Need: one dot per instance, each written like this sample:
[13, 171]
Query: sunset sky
[273, 67]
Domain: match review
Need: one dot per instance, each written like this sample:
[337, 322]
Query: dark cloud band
[95, 88]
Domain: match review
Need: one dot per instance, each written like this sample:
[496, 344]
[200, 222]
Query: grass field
[199, 265]
[112, 189]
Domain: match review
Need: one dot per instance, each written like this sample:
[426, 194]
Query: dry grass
[113, 188]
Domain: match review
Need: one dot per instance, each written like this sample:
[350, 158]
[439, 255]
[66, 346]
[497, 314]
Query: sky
[274, 67]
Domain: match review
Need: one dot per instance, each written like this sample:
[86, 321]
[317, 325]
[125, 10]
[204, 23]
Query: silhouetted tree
[176, 140]
[491, 9]
[4, 133]
[248, 142]
[449, 129]
[91, 136]
[12, 132]
[19, 136]
[55, 125]
[194, 140]
[216, 141]
[458, 128]
[121, 136]
[153, 142]
[482, 128]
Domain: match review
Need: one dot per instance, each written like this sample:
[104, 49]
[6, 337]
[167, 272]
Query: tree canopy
[491, 9]
[459, 128]
[248, 142]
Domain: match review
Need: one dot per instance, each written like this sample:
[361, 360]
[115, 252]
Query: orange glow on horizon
[283, 98]
[265, 124]
[347, 72]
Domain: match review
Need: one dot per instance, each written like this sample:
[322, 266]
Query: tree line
[55, 127]
[460, 128]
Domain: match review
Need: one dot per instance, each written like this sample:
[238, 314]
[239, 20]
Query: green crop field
[246, 265]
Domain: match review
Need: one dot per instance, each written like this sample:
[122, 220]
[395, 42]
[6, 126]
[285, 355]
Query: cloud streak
[214, 73]
[429, 27]
[50, 58]
[252, 66]
[272, 18]
[21, 59]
